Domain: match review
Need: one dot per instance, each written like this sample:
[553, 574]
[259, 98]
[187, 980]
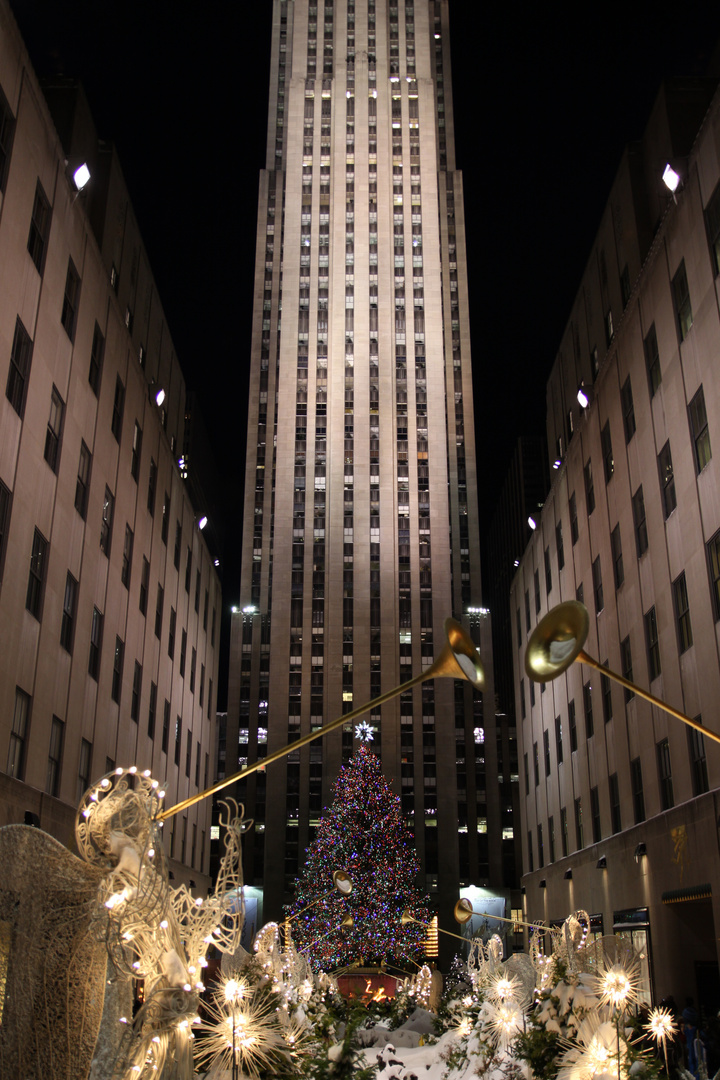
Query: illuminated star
[364, 732]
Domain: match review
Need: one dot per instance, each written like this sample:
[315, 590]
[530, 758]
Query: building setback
[619, 800]
[361, 523]
[109, 599]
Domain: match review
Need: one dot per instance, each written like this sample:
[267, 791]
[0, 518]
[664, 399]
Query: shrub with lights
[363, 833]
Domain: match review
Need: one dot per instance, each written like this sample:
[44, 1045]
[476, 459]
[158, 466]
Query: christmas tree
[362, 833]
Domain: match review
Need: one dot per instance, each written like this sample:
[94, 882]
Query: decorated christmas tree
[363, 834]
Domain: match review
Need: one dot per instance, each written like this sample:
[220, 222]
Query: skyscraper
[361, 521]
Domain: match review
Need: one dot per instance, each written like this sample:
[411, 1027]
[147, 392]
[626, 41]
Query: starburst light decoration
[661, 1026]
[504, 1022]
[617, 984]
[594, 1053]
[242, 1029]
[364, 731]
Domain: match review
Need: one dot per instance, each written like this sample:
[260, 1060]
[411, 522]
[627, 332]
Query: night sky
[544, 104]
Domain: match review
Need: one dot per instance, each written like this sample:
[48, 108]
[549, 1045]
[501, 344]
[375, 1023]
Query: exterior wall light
[532, 523]
[671, 179]
[81, 176]
[202, 522]
[160, 397]
[583, 397]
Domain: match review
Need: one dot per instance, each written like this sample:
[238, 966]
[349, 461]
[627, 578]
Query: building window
[546, 753]
[572, 726]
[652, 360]
[36, 578]
[541, 852]
[166, 726]
[70, 300]
[527, 611]
[536, 581]
[198, 580]
[653, 644]
[178, 543]
[178, 739]
[19, 370]
[682, 613]
[193, 665]
[665, 775]
[127, 557]
[54, 430]
[82, 483]
[39, 228]
[626, 666]
[564, 832]
[589, 487]
[580, 839]
[188, 570]
[628, 410]
[597, 586]
[615, 815]
[183, 652]
[595, 815]
[558, 740]
[536, 764]
[527, 774]
[136, 448]
[7, 130]
[18, 735]
[188, 754]
[95, 644]
[641, 533]
[136, 688]
[523, 709]
[667, 480]
[83, 769]
[607, 452]
[96, 360]
[165, 519]
[159, 611]
[699, 430]
[531, 865]
[107, 520]
[118, 407]
[118, 661]
[574, 533]
[681, 297]
[559, 546]
[548, 572]
[67, 626]
[698, 764]
[171, 634]
[712, 220]
[616, 546]
[52, 780]
[5, 501]
[152, 484]
[587, 702]
[713, 550]
[152, 707]
[625, 288]
[606, 693]
[144, 586]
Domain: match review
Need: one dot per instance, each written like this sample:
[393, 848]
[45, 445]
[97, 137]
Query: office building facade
[361, 521]
[620, 800]
[109, 597]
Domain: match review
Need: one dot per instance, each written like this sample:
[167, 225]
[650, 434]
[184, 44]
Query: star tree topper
[364, 732]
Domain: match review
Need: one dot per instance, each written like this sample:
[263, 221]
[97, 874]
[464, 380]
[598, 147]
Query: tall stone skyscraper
[361, 521]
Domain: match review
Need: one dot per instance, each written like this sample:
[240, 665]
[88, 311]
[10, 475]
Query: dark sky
[544, 104]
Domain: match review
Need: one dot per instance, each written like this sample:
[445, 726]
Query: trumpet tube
[458, 660]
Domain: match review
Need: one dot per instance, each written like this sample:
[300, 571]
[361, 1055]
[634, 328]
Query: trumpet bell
[556, 641]
[463, 910]
[342, 882]
[459, 659]
[348, 922]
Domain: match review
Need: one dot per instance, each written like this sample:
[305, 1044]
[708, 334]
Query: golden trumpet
[458, 660]
[557, 642]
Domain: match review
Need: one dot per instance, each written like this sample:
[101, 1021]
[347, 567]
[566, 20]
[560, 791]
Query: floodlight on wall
[160, 397]
[583, 396]
[81, 176]
[234, 609]
[216, 562]
[516, 562]
[640, 851]
[671, 179]
[568, 874]
[557, 463]
[601, 864]
[249, 609]
[202, 522]
[532, 523]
